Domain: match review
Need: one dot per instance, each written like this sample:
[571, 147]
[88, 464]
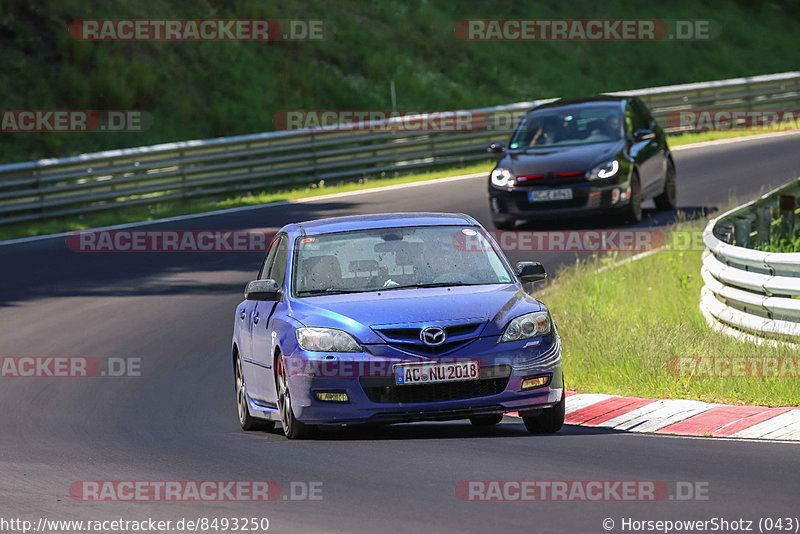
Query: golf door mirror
[496, 148]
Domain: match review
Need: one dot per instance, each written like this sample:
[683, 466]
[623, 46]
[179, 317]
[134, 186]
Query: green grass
[612, 346]
[210, 89]
[781, 242]
[161, 211]
[196, 90]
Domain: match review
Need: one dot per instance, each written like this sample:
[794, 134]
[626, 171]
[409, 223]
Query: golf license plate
[427, 373]
[546, 195]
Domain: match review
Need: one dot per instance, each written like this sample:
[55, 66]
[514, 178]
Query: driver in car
[546, 135]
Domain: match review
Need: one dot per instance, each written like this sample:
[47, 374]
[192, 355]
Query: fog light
[535, 382]
[615, 195]
[332, 396]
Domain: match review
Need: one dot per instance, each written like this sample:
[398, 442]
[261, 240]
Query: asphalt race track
[178, 420]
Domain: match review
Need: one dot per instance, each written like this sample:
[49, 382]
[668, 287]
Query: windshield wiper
[340, 290]
[330, 291]
[430, 284]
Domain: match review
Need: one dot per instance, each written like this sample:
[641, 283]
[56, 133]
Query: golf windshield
[395, 258]
[553, 127]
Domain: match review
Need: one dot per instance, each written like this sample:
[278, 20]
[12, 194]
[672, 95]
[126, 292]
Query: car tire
[504, 224]
[247, 421]
[486, 420]
[668, 199]
[633, 211]
[292, 428]
[550, 420]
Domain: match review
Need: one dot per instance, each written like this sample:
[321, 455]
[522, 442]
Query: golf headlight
[326, 340]
[503, 177]
[527, 326]
[606, 170]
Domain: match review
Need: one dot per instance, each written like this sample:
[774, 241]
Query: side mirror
[496, 148]
[530, 271]
[262, 290]
[643, 135]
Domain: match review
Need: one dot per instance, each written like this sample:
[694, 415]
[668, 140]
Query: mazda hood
[356, 313]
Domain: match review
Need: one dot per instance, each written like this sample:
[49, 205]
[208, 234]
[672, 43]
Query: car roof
[383, 220]
[611, 100]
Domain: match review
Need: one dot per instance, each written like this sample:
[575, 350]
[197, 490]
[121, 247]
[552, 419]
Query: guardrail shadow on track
[48, 268]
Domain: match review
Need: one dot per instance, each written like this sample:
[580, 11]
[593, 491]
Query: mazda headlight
[527, 326]
[606, 170]
[326, 340]
[503, 177]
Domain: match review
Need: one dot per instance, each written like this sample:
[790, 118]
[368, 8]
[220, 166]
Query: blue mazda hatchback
[394, 318]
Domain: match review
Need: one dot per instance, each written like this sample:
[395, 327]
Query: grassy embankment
[196, 90]
[621, 327]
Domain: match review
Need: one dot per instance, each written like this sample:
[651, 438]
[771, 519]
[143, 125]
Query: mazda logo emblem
[432, 336]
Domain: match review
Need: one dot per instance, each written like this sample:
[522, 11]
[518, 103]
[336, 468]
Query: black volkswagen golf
[604, 154]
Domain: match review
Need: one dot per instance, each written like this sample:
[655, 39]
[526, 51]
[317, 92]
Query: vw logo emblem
[432, 336]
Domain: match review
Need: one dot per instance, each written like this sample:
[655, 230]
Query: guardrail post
[741, 231]
[182, 184]
[725, 231]
[314, 159]
[764, 224]
[787, 207]
[40, 212]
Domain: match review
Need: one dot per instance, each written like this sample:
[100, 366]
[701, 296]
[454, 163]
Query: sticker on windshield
[469, 232]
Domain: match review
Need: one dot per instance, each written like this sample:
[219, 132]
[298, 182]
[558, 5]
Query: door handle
[242, 314]
[255, 319]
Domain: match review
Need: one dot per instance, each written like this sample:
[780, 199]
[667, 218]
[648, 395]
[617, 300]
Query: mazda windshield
[396, 258]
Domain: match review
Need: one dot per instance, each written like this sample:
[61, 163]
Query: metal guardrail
[189, 170]
[749, 289]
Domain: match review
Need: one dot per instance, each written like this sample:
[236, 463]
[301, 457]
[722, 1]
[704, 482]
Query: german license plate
[427, 373]
[546, 195]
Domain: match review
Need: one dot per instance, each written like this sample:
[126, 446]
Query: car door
[243, 336]
[263, 333]
[646, 153]
[661, 160]
[253, 367]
